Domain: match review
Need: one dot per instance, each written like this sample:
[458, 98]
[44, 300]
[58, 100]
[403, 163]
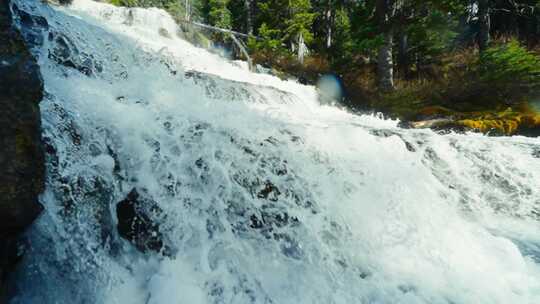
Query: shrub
[511, 69]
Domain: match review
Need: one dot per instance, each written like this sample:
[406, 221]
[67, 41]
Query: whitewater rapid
[266, 196]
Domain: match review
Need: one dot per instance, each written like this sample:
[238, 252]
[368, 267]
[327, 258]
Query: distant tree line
[399, 36]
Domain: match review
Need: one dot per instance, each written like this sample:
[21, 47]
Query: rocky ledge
[21, 155]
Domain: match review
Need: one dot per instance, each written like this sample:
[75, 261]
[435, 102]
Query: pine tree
[218, 14]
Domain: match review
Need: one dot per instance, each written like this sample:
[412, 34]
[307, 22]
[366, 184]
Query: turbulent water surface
[260, 194]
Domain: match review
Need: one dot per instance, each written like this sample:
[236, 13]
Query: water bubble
[330, 88]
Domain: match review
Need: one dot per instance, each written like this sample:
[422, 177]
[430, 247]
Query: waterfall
[252, 190]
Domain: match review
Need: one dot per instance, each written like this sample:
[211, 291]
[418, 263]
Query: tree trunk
[301, 49]
[385, 64]
[484, 23]
[243, 50]
[249, 16]
[403, 55]
[329, 24]
[187, 5]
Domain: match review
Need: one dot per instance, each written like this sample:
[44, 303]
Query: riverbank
[493, 93]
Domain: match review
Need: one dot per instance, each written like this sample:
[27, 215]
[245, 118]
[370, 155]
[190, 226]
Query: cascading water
[255, 192]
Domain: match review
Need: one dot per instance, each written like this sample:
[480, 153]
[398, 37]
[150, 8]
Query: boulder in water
[135, 222]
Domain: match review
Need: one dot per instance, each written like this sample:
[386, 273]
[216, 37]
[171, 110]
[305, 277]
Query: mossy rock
[508, 122]
[500, 126]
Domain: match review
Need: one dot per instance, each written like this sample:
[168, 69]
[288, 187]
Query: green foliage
[511, 68]
[432, 34]
[342, 48]
[176, 9]
[269, 42]
[273, 13]
[290, 18]
[239, 15]
[300, 21]
[364, 32]
[128, 3]
[218, 14]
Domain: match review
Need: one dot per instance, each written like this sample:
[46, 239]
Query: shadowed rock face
[135, 223]
[21, 155]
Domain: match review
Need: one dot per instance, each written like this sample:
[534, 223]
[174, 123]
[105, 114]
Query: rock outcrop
[21, 154]
[135, 222]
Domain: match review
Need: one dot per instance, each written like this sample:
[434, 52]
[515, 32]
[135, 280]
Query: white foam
[385, 215]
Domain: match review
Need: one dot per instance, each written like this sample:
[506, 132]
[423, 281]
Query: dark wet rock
[536, 153]
[61, 2]
[382, 132]
[65, 53]
[164, 33]
[270, 218]
[216, 87]
[532, 131]
[136, 214]
[410, 147]
[387, 133]
[10, 254]
[21, 156]
[269, 192]
[265, 199]
[33, 27]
